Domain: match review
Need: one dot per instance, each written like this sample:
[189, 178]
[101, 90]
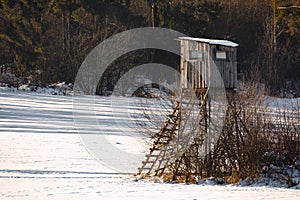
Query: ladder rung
[144, 168]
[163, 136]
[164, 142]
[169, 129]
[154, 149]
[163, 139]
[149, 161]
[157, 170]
[151, 155]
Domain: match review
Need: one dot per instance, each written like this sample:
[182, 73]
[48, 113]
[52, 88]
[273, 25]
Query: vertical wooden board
[207, 54]
[188, 74]
[207, 67]
[203, 65]
[228, 65]
[230, 75]
[197, 68]
[234, 54]
[209, 63]
[200, 71]
[224, 75]
[193, 74]
[185, 73]
[231, 68]
[186, 56]
[181, 65]
[235, 68]
[220, 66]
[212, 75]
[193, 46]
[235, 83]
[203, 73]
[221, 70]
[185, 62]
[200, 74]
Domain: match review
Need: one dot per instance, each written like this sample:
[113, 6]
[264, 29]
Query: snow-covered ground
[42, 155]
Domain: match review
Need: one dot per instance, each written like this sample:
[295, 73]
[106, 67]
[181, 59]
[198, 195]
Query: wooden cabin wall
[228, 66]
[194, 71]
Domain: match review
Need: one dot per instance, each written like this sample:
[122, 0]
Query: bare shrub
[256, 134]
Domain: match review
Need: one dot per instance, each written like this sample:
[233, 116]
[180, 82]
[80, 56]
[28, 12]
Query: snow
[211, 41]
[42, 155]
[283, 103]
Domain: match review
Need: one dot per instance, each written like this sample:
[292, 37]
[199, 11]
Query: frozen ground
[43, 157]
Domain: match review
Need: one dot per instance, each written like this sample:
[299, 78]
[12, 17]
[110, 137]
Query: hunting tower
[185, 140]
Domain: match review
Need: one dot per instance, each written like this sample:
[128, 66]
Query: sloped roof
[211, 41]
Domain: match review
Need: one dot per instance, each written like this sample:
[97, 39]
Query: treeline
[46, 41]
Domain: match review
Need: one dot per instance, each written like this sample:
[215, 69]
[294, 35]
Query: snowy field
[42, 156]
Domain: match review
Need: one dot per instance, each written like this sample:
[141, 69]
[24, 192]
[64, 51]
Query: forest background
[44, 42]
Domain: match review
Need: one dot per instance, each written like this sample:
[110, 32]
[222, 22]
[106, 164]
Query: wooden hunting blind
[185, 139]
[198, 55]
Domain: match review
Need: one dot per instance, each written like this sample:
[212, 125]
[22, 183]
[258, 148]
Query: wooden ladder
[162, 153]
[159, 148]
[178, 166]
[184, 144]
